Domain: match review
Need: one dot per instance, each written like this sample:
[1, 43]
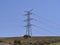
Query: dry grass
[4, 44]
[55, 43]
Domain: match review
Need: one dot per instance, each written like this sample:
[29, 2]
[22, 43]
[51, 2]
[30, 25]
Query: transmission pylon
[28, 20]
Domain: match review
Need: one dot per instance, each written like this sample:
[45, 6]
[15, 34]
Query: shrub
[27, 36]
[17, 42]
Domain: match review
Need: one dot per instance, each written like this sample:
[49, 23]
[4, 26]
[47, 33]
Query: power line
[46, 30]
[49, 22]
[47, 25]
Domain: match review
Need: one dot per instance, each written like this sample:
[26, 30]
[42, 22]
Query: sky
[45, 14]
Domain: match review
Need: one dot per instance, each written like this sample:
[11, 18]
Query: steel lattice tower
[28, 20]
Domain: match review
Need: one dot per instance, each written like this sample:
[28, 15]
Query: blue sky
[45, 12]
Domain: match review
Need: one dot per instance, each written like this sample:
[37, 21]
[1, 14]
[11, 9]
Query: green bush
[17, 42]
[27, 36]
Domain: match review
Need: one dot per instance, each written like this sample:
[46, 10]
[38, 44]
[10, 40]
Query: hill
[50, 39]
